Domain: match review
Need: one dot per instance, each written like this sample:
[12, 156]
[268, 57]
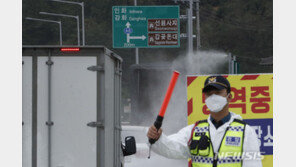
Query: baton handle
[157, 124]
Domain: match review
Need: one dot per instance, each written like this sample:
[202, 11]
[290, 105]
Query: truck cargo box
[71, 106]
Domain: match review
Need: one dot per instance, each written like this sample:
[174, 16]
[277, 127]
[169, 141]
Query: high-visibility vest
[230, 149]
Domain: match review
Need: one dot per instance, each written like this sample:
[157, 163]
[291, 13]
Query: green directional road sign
[146, 26]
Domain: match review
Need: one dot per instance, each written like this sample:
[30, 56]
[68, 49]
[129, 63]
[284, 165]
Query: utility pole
[137, 73]
[232, 64]
[137, 62]
[190, 27]
[137, 49]
[235, 65]
[229, 63]
[83, 30]
[197, 26]
[189, 16]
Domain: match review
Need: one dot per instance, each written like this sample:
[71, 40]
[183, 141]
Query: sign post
[146, 26]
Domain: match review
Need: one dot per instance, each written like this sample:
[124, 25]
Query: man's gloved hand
[153, 133]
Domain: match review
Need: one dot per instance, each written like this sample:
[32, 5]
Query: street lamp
[51, 21]
[64, 15]
[82, 11]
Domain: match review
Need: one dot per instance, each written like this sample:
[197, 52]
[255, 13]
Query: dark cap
[216, 82]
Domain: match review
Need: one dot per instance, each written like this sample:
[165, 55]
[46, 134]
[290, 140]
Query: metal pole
[235, 67]
[197, 26]
[137, 56]
[82, 15]
[64, 15]
[78, 31]
[61, 34]
[233, 64]
[229, 63]
[83, 32]
[137, 50]
[138, 73]
[189, 28]
[232, 69]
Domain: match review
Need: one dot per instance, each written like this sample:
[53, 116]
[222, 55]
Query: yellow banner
[252, 96]
[252, 99]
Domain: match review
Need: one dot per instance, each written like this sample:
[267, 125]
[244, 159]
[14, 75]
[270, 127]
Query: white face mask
[216, 103]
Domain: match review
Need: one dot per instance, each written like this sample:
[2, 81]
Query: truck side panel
[73, 105]
[27, 112]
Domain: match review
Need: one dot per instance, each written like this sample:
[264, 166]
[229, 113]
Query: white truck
[71, 107]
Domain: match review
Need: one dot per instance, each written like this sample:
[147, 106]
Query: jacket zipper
[215, 160]
[215, 154]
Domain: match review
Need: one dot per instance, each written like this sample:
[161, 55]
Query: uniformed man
[222, 140]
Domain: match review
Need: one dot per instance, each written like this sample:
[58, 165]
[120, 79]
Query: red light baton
[169, 93]
[159, 119]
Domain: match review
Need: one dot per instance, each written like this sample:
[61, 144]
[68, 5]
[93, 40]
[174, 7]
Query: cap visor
[212, 86]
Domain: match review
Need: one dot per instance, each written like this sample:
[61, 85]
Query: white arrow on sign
[128, 25]
[128, 37]
[138, 37]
